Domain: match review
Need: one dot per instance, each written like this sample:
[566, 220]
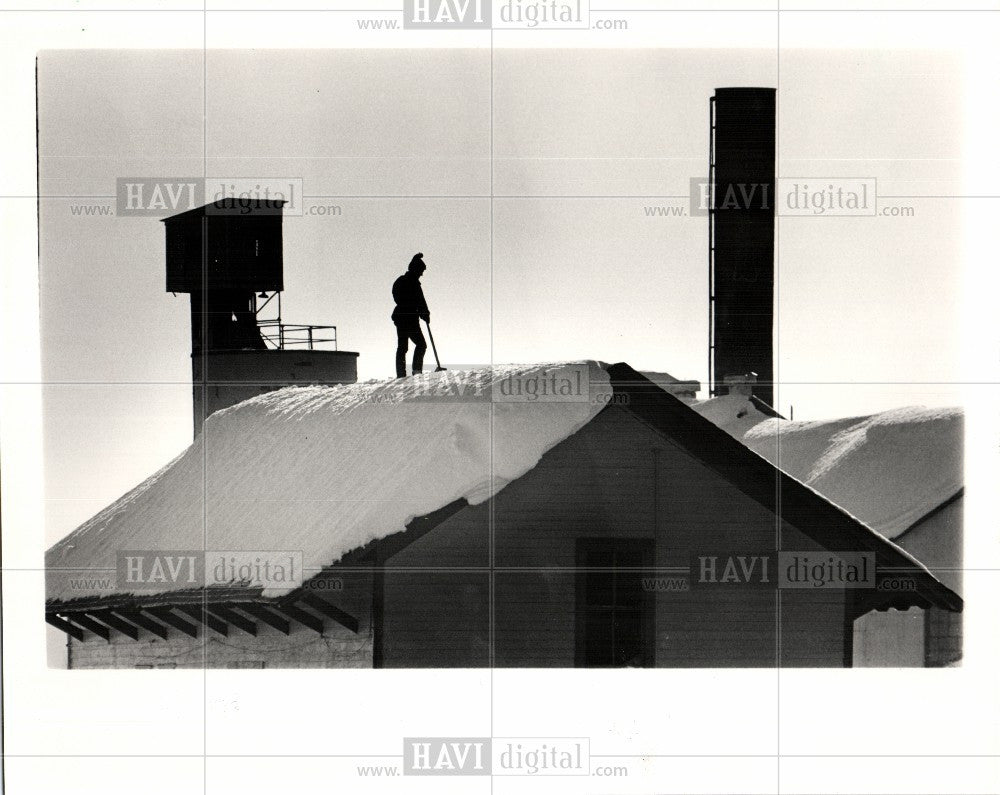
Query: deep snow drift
[888, 470]
[326, 469]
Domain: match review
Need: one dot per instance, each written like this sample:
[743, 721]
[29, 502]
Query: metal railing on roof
[282, 336]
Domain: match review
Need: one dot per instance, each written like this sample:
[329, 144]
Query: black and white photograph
[624, 379]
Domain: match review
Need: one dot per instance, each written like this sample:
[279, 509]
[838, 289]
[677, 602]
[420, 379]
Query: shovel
[430, 334]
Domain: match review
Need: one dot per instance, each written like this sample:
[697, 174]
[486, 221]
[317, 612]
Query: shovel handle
[433, 346]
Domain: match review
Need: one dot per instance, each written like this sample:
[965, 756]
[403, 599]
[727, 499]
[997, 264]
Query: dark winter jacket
[409, 298]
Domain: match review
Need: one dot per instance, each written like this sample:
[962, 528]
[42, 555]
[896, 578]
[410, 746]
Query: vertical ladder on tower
[712, 386]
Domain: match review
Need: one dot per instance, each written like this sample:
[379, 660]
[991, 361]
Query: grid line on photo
[499, 568]
[203, 312]
[776, 363]
[593, 756]
[525, 197]
[649, 10]
[786, 383]
[204, 397]
[491, 517]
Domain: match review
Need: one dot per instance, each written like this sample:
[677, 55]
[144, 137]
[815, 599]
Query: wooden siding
[435, 619]
[616, 478]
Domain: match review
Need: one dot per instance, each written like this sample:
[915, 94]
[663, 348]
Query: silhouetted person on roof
[410, 308]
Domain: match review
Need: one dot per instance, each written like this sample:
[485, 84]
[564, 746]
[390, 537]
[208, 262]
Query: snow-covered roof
[326, 469]
[889, 469]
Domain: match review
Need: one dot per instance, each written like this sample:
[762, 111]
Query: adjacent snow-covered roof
[685, 391]
[326, 469]
[889, 469]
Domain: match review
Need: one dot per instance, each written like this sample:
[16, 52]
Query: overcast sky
[867, 306]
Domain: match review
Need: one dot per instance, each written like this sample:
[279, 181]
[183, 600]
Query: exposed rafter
[64, 625]
[166, 615]
[269, 617]
[199, 613]
[231, 617]
[330, 611]
[117, 624]
[143, 621]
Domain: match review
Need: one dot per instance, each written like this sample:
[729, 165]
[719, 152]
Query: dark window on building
[614, 614]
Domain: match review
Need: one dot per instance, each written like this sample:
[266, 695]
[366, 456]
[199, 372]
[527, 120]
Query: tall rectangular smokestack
[741, 237]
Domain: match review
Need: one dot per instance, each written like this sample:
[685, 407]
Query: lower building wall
[890, 639]
[301, 648]
[911, 638]
[435, 620]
